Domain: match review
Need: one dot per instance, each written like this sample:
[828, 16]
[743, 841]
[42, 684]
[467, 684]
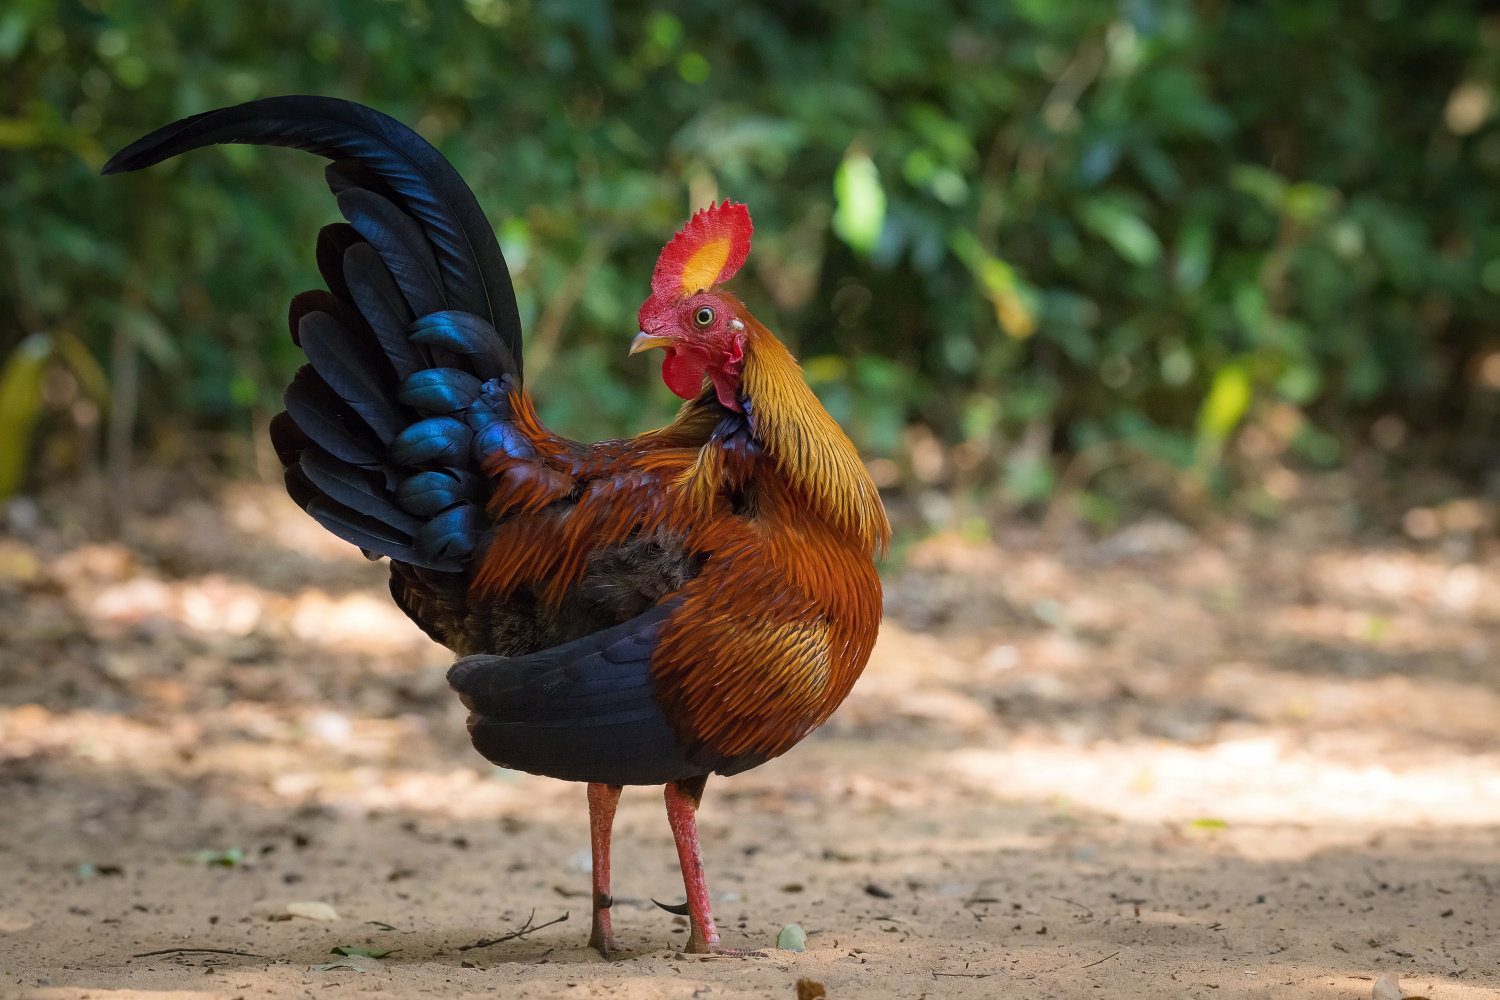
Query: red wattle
[727, 389]
[683, 371]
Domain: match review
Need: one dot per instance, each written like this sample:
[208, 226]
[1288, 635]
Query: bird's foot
[604, 944]
[602, 937]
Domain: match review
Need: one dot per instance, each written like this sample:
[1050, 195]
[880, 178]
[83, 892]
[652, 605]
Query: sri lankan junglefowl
[646, 611]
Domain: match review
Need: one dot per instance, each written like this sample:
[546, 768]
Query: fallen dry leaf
[808, 989]
[14, 921]
[312, 911]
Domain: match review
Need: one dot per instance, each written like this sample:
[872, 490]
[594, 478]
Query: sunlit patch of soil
[1163, 764]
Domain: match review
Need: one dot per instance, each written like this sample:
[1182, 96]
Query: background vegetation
[1135, 248]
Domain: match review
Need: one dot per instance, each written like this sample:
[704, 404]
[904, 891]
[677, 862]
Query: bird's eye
[703, 316]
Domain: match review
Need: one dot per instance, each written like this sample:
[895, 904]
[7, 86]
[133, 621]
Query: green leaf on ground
[231, 857]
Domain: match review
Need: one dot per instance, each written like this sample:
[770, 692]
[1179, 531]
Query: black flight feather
[583, 711]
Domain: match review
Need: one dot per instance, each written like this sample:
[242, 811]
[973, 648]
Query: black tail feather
[352, 372]
[363, 530]
[435, 441]
[287, 438]
[439, 390]
[334, 241]
[428, 494]
[467, 335]
[318, 300]
[328, 420]
[374, 291]
[402, 246]
[378, 435]
[298, 486]
[452, 534]
[344, 175]
[358, 489]
[428, 186]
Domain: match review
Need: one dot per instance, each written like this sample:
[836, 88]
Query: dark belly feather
[618, 584]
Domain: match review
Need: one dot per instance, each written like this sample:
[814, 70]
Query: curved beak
[644, 342]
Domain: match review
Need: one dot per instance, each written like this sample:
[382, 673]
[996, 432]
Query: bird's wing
[583, 711]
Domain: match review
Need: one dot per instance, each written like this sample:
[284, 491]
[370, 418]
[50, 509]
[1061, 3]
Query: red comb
[706, 252]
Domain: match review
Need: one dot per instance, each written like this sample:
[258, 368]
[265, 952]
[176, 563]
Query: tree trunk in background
[122, 411]
[85, 415]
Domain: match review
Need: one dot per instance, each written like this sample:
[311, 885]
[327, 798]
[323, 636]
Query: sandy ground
[1161, 765]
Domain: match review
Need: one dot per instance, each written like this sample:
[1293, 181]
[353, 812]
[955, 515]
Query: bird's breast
[772, 634]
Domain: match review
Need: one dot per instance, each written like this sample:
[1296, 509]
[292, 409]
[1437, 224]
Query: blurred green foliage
[1034, 226]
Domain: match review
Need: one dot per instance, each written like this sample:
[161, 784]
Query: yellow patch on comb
[704, 266]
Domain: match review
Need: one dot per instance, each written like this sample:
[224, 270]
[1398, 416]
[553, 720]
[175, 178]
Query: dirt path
[1160, 766]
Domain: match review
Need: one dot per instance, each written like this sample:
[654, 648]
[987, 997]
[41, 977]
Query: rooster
[693, 600]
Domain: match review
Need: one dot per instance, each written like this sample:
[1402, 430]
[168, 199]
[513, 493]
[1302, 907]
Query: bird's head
[689, 315]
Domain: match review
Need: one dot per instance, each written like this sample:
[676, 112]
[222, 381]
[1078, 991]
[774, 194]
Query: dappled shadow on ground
[1162, 765]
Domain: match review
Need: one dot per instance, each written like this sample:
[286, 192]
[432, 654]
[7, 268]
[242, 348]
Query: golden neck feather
[809, 446]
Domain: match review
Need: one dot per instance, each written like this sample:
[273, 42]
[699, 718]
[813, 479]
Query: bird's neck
[808, 445]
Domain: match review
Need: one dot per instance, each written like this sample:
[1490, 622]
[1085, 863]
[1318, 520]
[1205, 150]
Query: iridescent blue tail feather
[385, 427]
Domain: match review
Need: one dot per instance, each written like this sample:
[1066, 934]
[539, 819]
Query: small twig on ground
[963, 975]
[524, 930]
[198, 951]
[384, 926]
[1101, 961]
[1073, 902]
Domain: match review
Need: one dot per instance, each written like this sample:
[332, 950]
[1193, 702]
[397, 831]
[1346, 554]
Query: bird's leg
[682, 804]
[602, 802]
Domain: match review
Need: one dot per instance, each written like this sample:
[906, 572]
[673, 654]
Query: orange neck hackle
[808, 445]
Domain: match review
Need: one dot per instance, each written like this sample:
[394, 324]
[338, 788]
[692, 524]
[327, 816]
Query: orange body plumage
[773, 632]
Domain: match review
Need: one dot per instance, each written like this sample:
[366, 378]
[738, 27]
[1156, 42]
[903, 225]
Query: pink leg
[682, 803]
[602, 802]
